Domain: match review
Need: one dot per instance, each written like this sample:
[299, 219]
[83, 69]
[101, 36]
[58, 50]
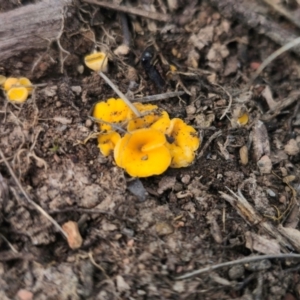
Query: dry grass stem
[273, 56]
[237, 262]
[120, 94]
[158, 97]
[132, 10]
[36, 206]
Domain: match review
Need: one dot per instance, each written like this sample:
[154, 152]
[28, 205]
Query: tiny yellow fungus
[17, 94]
[97, 61]
[243, 119]
[182, 143]
[111, 111]
[9, 82]
[173, 68]
[23, 81]
[107, 142]
[143, 153]
[2, 79]
[154, 118]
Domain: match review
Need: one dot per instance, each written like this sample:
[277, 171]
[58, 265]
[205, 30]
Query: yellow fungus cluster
[17, 89]
[152, 142]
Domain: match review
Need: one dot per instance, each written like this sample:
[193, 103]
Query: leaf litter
[236, 204]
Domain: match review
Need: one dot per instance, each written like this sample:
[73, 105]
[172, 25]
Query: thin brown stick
[236, 262]
[158, 97]
[273, 56]
[36, 206]
[292, 16]
[120, 94]
[215, 135]
[132, 10]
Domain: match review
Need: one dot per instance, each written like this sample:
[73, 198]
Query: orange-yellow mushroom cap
[154, 118]
[17, 94]
[143, 153]
[107, 142]
[243, 119]
[96, 61]
[23, 81]
[9, 82]
[183, 142]
[112, 111]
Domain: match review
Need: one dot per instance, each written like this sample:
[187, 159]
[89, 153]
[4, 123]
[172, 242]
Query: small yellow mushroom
[17, 94]
[9, 82]
[143, 153]
[97, 61]
[23, 81]
[153, 118]
[243, 119]
[111, 111]
[107, 142]
[182, 143]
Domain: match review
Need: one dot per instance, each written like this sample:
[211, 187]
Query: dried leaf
[267, 94]
[261, 145]
[261, 243]
[136, 187]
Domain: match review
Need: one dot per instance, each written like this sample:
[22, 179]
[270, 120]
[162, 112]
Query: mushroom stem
[120, 94]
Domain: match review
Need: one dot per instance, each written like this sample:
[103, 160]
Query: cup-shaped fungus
[23, 81]
[17, 94]
[153, 117]
[143, 153]
[97, 61]
[9, 82]
[182, 143]
[107, 142]
[111, 111]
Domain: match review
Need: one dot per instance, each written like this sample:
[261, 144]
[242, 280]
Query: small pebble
[271, 193]
[88, 123]
[236, 272]
[186, 179]
[76, 89]
[58, 104]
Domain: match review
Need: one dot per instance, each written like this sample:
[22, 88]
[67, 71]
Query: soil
[137, 239]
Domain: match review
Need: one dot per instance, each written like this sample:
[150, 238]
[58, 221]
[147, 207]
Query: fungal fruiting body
[143, 153]
[107, 142]
[183, 142]
[97, 61]
[111, 111]
[17, 89]
[152, 142]
[152, 117]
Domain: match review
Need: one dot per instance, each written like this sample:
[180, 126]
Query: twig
[158, 97]
[132, 10]
[97, 265]
[269, 115]
[273, 56]
[215, 135]
[120, 94]
[37, 207]
[230, 101]
[113, 125]
[125, 29]
[292, 16]
[9, 244]
[237, 262]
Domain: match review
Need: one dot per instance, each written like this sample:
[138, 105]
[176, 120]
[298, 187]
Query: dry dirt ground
[239, 199]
